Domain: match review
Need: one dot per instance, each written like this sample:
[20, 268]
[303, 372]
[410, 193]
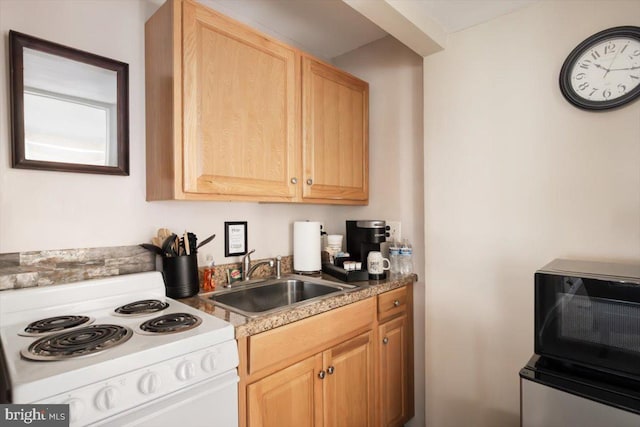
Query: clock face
[608, 70]
[603, 72]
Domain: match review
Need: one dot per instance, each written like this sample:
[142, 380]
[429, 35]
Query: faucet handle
[278, 266]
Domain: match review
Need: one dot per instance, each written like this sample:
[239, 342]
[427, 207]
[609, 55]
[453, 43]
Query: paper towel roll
[306, 246]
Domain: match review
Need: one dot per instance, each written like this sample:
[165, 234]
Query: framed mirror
[69, 108]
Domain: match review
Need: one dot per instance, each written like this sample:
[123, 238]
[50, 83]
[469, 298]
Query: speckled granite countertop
[246, 326]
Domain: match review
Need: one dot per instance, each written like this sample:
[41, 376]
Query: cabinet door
[335, 134]
[290, 397]
[393, 371]
[241, 109]
[349, 385]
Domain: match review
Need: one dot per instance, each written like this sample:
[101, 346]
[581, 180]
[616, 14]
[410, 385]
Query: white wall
[514, 177]
[394, 74]
[55, 210]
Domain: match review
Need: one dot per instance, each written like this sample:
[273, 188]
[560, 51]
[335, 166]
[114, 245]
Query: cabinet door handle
[309, 181]
[385, 340]
[321, 375]
[330, 370]
[396, 303]
[294, 180]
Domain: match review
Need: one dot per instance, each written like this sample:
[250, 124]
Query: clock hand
[621, 69]
[606, 70]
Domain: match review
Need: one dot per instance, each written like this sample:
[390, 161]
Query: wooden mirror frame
[18, 41]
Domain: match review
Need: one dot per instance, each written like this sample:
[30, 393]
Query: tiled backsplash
[41, 268]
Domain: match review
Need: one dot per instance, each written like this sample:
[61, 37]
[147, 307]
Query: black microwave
[587, 314]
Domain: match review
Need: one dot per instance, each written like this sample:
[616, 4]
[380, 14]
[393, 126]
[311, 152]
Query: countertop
[247, 326]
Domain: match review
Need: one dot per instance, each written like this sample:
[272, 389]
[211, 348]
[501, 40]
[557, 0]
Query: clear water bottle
[406, 258]
[394, 259]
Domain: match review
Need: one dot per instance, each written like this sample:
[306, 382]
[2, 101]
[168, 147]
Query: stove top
[50, 325]
[141, 308]
[62, 337]
[77, 342]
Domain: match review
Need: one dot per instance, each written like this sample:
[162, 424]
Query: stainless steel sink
[268, 296]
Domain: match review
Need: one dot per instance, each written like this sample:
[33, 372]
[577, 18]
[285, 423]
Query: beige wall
[394, 74]
[54, 210]
[514, 177]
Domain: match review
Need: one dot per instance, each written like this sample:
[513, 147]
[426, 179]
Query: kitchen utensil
[168, 247]
[205, 241]
[152, 248]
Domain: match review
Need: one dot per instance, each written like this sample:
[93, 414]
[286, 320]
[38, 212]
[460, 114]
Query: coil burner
[54, 324]
[170, 323]
[79, 342]
[141, 308]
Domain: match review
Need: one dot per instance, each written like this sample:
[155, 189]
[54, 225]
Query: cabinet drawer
[291, 342]
[392, 303]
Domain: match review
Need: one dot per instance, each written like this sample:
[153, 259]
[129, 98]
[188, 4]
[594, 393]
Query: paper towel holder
[306, 247]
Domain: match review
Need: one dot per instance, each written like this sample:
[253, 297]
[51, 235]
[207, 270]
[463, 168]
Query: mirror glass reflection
[69, 110]
[69, 107]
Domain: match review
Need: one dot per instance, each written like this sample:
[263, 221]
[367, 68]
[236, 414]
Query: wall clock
[603, 72]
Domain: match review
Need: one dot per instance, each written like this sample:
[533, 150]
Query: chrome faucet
[248, 269]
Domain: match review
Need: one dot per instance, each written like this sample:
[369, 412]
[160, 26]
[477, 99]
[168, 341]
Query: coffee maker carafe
[364, 237]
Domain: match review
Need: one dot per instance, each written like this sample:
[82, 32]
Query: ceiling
[329, 28]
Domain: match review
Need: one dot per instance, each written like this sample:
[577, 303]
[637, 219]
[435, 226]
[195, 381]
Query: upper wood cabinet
[335, 127]
[224, 115]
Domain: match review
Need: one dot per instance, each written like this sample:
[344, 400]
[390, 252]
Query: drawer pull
[396, 303]
[321, 375]
[294, 180]
[309, 181]
[385, 340]
[330, 370]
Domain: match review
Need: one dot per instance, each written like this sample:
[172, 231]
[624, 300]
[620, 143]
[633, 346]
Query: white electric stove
[119, 352]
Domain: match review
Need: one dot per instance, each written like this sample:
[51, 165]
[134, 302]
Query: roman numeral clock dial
[603, 72]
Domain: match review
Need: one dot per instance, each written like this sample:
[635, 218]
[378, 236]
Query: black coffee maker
[364, 237]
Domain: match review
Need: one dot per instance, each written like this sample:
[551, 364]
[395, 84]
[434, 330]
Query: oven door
[211, 402]
[594, 322]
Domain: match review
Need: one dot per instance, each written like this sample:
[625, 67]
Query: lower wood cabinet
[333, 388]
[393, 369]
[395, 357]
[351, 367]
[289, 397]
[348, 386]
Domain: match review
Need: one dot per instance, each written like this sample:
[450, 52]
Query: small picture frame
[235, 238]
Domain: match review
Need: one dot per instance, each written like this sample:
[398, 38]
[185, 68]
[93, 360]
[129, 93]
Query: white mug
[376, 263]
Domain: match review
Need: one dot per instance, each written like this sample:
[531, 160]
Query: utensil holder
[181, 276]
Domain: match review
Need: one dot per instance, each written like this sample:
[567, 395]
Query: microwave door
[588, 321]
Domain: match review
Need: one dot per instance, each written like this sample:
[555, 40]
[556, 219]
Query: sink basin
[272, 295]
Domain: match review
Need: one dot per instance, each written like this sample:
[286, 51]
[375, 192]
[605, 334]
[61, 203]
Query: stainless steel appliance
[554, 395]
[118, 352]
[586, 370]
[364, 237]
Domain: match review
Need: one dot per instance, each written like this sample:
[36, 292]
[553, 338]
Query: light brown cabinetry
[290, 397]
[335, 133]
[224, 115]
[395, 357]
[316, 372]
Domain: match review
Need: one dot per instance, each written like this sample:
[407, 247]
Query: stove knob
[209, 362]
[76, 409]
[186, 370]
[106, 398]
[149, 383]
